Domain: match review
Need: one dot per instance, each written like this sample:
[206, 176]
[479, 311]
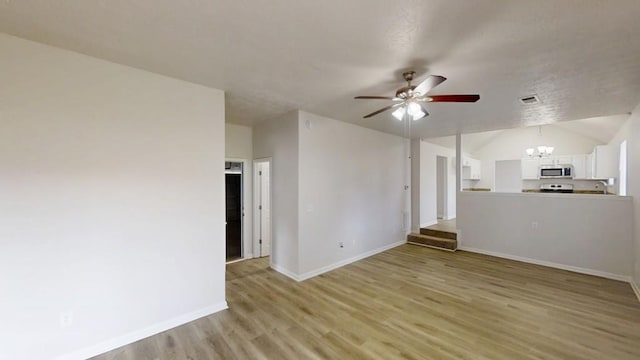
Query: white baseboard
[344, 262]
[285, 272]
[134, 336]
[549, 264]
[635, 287]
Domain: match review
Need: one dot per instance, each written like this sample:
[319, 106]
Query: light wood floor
[410, 302]
[444, 225]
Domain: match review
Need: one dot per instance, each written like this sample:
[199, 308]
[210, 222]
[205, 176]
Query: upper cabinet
[580, 166]
[471, 168]
[530, 169]
[563, 160]
[601, 164]
[604, 162]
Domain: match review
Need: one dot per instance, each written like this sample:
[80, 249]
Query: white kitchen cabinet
[579, 163]
[562, 160]
[530, 169]
[471, 168]
[547, 161]
[604, 162]
[476, 169]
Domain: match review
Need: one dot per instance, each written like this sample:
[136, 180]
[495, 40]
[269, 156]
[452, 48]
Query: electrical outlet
[66, 319]
[534, 224]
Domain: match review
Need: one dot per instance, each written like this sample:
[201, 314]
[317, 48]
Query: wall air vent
[531, 99]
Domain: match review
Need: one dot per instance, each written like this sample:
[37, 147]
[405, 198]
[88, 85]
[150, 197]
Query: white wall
[624, 133]
[351, 191]
[278, 139]
[238, 141]
[589, 232]
[633, 185]
[427, 185]
[239, 146]
[511, 145]
[415, 184]
[112, 202]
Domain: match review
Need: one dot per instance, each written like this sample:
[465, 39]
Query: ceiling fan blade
[375, 97]
[382, 110]
[454, 98]
[429, 83]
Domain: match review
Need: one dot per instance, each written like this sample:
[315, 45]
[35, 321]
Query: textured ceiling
[581, 57]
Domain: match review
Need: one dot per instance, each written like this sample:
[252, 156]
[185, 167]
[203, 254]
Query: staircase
[437, 239]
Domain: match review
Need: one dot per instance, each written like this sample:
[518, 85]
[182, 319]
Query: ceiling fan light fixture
[415, 111]
[399, 113]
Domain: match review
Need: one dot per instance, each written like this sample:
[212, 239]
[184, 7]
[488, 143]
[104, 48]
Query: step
[439, 233]
[432, 241]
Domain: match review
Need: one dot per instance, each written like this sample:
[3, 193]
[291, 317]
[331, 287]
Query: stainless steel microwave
[556, 172]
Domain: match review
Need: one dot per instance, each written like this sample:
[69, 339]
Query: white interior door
[262, 201]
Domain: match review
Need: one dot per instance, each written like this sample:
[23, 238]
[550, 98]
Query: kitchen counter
[537, 194]
[588, 192]
[576, 231]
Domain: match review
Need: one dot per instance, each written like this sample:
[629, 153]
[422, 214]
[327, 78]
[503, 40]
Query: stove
[557, 188]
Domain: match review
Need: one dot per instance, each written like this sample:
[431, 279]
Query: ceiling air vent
[528, 100]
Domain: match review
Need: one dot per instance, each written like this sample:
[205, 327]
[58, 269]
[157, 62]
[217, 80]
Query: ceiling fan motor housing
[404, 92]
[408, 76]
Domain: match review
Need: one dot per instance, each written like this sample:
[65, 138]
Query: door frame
[442, 178]
[256, 210]
[243, 199]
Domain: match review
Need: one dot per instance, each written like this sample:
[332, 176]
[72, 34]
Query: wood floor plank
[410, 302]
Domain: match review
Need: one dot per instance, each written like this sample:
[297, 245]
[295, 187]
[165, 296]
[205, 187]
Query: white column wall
[278, 139]
[239, 145]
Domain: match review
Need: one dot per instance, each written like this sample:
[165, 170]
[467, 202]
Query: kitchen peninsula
[588, 233]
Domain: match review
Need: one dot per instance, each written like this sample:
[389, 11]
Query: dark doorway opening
[233, 186]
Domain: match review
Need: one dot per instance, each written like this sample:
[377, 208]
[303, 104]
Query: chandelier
[543, 151]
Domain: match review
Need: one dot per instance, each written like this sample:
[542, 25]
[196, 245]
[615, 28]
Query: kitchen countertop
[534, 193]
[591, 192]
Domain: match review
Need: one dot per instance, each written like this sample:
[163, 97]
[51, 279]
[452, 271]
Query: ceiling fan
[410, 99]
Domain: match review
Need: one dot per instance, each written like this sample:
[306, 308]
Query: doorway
[441, 186]
[262, 207]
[233, 205]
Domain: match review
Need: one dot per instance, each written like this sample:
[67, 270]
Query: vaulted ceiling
[581, 57]
[601, 130]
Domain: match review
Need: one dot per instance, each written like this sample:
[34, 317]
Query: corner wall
[633, 187]
[278, 139]
[112, 192]
[351, 188]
